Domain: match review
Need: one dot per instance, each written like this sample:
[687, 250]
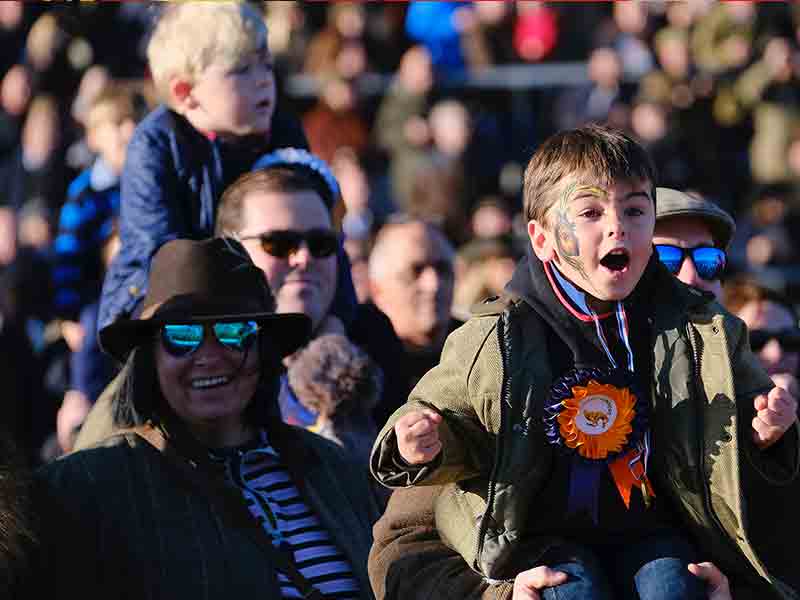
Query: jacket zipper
[505, 395]
[705, 486]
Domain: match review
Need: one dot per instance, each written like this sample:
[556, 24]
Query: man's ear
[541, 240]
[180, 91]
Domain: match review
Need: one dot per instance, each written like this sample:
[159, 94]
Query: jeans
[649, 569]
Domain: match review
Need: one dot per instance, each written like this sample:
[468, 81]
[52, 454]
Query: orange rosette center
[597, 419]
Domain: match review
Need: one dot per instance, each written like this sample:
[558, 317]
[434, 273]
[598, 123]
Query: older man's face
[687, 232]
[415, 288]
[300, 281]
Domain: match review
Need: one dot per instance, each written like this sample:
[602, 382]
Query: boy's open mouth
[616, 260]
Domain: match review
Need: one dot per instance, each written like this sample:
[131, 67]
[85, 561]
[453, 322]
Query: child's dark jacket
[494, 378]
[173, 178]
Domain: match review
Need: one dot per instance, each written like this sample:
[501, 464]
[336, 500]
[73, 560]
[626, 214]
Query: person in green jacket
[603, 419]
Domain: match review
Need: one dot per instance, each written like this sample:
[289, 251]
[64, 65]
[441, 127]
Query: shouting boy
[602, 418]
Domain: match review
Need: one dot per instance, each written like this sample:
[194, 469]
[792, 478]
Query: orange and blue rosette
[597, 416]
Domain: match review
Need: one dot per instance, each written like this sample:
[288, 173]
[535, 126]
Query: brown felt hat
[201, 281]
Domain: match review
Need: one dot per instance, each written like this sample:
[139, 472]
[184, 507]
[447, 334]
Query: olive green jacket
[492, 381]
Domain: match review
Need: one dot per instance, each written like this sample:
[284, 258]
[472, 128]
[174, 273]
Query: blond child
[213, 70]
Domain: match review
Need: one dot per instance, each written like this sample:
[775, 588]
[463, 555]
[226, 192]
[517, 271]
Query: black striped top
[276, 503]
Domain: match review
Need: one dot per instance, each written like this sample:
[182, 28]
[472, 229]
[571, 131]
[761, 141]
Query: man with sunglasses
[691, 238]
[281, 212]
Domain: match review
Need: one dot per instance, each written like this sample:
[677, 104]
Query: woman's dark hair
[139, 399]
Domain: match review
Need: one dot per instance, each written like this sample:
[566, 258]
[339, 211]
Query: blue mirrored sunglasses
[709, 262]
[183, 339]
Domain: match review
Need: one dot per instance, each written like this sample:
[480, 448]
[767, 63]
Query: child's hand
[775, 413]
[528, 583]
[718, 588]
[418, 436]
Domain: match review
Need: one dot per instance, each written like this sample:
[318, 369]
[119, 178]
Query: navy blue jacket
[173, 178]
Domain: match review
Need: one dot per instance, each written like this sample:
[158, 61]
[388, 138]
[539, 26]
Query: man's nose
[688, 273]
[430, 279]
[301, 256]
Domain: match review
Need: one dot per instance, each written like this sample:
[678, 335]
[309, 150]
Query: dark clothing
[85, 224]
[90, 369]
[138, 520]
[372, 331]
[172, 181]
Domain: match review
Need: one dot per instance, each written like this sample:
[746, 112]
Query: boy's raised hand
[418, 436]
[775, 413]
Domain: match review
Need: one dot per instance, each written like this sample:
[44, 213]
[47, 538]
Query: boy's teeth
[207, 382]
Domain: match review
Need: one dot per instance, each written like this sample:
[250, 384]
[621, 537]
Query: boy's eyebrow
[634, 195]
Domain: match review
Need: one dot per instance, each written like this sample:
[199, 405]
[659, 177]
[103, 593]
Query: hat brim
[287, 332]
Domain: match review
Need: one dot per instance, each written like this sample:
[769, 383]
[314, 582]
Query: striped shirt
[276, 503]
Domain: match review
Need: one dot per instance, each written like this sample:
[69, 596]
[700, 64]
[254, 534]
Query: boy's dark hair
[592, 154]
[273, 179]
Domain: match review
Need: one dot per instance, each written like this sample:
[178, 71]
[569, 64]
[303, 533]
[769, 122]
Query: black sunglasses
[280, 244]
[789, 339]
[182, 339]
[709, 262]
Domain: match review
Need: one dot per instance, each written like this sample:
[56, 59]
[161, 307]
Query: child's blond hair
[190, 36]
[590, 155]
[113, 105]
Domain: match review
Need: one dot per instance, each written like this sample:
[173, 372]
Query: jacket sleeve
[465, 389]
[148, 218]
[780, 463]
[409, 561]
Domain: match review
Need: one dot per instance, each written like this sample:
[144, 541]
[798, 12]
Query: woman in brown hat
[205, 493]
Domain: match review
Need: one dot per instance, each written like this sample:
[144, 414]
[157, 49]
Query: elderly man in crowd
[411, 281]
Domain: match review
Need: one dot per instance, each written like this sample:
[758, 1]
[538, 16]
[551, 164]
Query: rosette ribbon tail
[627, 471]
[584, 487]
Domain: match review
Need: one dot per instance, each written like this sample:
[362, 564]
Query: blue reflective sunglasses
[182, 339]
[709, 262]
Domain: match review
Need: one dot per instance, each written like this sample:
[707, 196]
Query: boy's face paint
[602, 237]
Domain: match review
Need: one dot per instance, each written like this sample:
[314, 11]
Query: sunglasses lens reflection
[671, 256]
[709, 262]
[236, 335]
[181, 340]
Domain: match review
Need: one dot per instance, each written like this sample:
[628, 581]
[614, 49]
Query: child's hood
[530, 283]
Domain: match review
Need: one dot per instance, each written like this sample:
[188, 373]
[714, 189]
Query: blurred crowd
[411, 107]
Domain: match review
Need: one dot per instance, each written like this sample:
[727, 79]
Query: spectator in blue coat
[86, 233]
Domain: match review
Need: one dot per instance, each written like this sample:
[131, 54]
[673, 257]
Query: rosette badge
[596, 419]
[595, 415]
